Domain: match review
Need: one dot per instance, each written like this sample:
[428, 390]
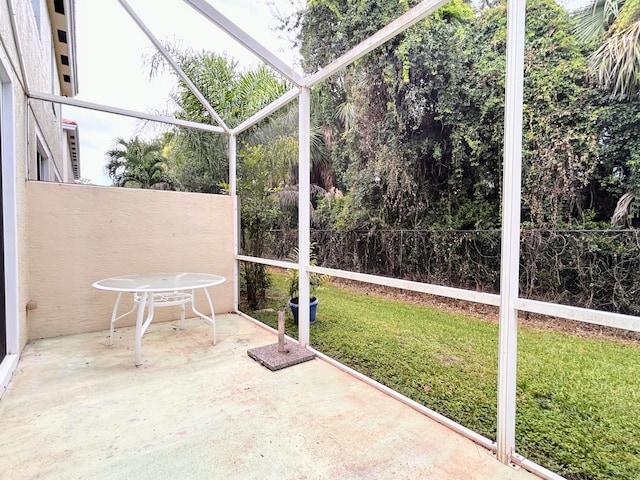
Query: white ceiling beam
[73, 102]
[246, 40]
[399, 25]
[167, 56]
[268, 110]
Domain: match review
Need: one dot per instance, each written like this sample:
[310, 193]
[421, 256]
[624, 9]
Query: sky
[111, 53]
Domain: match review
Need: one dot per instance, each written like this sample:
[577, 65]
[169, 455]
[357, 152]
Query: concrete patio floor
[79, 409]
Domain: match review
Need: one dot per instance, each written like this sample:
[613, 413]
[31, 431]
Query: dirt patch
[489, 313]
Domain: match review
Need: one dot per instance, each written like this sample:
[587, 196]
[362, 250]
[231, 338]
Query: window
[42, 165]
[35, 6]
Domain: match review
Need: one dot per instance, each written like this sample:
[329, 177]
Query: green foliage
[392, 149]
[417, 126]
[618, 169]
[340, 213]
[331, 27]
[138, 163]
[201, 158]
[455, 9]
[255, 280]
[415, 131]
[613, 26]
[593, 20]
[559, 139]
[316, 280]
[259, 214]
[560, 149]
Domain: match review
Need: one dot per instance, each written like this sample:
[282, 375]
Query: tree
[392, 115]
[419, 122]
[200, 159]
[138, 163]
[259, 214]
[618, 168]
[615, 26]
[559, 133]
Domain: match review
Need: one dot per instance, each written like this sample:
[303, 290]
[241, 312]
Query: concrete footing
[270, 357]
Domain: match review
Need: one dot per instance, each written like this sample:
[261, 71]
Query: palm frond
[616, 63]
[137, 163]
[621, 213]
[288, 196]
[346, 114]
[593, 20]
[629, 14]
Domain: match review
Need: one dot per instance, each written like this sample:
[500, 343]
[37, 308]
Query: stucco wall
[15, 157]
[79, 234]
[19, 137]
[45, 119]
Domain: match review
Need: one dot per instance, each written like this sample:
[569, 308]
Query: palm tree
[279, 134]
[234, 94]
[615, 64]
[138, 163]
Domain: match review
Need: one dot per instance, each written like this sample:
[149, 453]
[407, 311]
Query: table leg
[114, 319]
[182, 313]
[146, 299]
[211, 320]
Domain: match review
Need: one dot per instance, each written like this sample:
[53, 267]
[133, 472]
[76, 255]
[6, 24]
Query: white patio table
[159, 290]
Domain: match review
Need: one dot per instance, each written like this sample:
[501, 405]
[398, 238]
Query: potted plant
[316, 280]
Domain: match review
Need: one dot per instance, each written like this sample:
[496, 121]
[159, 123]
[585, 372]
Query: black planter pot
[313, 306]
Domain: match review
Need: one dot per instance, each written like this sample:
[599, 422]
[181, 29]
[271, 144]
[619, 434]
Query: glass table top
[159, 282]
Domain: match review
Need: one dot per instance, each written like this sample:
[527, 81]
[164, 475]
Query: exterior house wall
[15, 153]
[45, 119]
[24, 124]
[79, 234]
[45, 122]
[68, 236]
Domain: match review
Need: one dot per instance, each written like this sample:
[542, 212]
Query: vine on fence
[585, 268]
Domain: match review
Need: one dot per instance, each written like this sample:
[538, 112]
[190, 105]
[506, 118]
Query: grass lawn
[578, 399]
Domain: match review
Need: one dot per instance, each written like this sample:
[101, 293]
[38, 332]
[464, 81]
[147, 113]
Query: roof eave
[63, 30]
[71, 132]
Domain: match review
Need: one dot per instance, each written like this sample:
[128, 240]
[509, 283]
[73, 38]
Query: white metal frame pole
[510, 256]
[74, 102]
[233, 186]
[304, 214]
[245, 40]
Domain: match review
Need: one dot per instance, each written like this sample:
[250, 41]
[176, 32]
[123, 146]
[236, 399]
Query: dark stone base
[269, 356]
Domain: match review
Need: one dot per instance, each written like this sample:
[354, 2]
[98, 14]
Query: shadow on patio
[78, 408]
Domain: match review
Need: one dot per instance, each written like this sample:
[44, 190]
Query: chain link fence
[597, 269]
